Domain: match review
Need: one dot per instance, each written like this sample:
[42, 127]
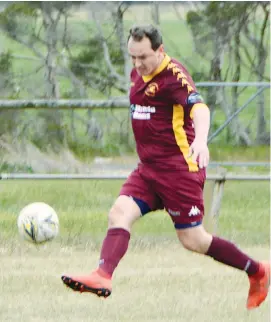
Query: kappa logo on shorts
[194, 211]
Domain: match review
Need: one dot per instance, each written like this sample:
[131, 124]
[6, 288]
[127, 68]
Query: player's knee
[190, 244]
[194, 246]
[122, 214]
[115, 216]
[195, 242]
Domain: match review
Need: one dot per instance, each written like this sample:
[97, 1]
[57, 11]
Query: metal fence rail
[123, 102]
[119, 102]
[255, 164]
[41, 176]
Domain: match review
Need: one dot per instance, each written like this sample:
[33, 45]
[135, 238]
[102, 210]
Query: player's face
[144, 58]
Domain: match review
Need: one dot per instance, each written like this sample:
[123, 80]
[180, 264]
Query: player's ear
[161, 49]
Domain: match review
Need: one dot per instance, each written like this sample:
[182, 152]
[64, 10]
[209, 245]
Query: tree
[36, 26]
[102, 63]
[14, 21]
[9, 119]
[218, 30]
[260, 42]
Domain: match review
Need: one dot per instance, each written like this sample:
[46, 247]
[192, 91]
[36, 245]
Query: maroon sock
[114, 247]
[227, 253]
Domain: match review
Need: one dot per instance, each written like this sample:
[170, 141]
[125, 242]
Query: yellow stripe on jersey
[195, 107]
[180, 136]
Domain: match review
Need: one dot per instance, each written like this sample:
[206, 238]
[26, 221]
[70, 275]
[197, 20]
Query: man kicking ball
[170, 123]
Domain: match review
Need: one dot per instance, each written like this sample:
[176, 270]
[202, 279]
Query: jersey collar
[158, 70]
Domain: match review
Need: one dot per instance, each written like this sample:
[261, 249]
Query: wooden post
[213, 195]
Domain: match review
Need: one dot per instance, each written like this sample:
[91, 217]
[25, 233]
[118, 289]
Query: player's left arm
[194, 105]
[199, 149]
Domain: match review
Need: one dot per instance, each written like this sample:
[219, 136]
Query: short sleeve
[180, 92]
[185, 94]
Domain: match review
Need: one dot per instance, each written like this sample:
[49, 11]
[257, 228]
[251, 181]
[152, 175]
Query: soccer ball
[38, 223]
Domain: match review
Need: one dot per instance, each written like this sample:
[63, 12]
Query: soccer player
[170, 123]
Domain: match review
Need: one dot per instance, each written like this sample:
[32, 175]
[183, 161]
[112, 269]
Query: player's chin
[141, 72]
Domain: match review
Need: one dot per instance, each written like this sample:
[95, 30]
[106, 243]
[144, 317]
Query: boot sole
[80, 287]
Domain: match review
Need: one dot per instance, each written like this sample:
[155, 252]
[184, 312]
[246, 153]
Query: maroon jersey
[162, 115]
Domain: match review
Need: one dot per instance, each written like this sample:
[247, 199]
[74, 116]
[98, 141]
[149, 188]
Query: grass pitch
[165, 283]
[156, 281]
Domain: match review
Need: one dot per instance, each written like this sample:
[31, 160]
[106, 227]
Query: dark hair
[149, 31]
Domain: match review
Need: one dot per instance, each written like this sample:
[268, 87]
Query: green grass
[165, 284]
[232, 153]
[157, 280]
[83, 206]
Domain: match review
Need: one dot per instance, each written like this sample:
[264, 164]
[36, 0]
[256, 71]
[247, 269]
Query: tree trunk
[215, 94]
[155, 13]
[118, 19]
[262, 136]
[261, 121]
[238, 132]
[53, 120]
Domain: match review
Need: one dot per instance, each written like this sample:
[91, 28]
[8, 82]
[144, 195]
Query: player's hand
[199, 151]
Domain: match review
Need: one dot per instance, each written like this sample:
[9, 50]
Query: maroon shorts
[180, 193]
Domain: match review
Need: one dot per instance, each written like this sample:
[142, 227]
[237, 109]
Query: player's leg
[120, 219]
[136, 199]
[196, 239]
[125, 211]
[184, 203]
[122, 215]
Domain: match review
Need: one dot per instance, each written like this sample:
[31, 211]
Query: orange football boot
[98, 282]
[259, 287]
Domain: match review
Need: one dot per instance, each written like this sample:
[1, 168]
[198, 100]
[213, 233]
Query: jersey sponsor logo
[152, 89]
[139, 112]
[194, 98]
[194, 211]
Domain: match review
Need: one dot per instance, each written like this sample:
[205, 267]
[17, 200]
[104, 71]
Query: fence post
[214, 200]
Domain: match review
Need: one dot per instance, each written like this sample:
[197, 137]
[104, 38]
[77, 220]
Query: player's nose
[138, 63]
